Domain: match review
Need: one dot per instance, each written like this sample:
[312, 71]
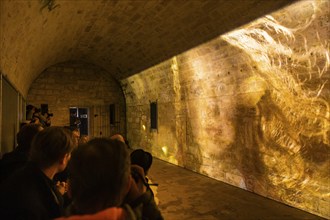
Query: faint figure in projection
[285, 126]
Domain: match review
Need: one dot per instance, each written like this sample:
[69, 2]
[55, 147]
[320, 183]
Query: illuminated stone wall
[76, 84]
[250, 108]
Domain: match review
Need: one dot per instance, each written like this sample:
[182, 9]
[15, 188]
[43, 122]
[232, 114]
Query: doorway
[79, 119]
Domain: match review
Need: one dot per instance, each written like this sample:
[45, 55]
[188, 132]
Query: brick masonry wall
[80, 85]
[254, 117]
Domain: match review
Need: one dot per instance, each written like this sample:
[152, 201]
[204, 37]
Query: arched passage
[149, 47]
[80, 85]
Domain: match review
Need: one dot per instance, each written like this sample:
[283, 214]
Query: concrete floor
[185, 195]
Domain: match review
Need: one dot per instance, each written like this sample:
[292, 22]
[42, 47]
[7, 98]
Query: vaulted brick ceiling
[121, 36]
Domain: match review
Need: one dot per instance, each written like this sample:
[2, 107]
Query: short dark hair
[29, 107]
[26, 135]
[50, 145]
[99, 173]
[142, 158]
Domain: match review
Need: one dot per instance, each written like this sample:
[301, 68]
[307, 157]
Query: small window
[44, 108]
[153, 115]
[112, 114]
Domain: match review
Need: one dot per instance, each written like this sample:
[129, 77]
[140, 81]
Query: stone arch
[80, 84]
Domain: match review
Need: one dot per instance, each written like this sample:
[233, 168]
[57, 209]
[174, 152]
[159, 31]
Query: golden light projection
[293, 113]
[270, 132]
[178, 158]
[164, 149]
[250, 108]
[252, 89]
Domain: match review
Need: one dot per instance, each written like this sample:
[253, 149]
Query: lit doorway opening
[79, 119]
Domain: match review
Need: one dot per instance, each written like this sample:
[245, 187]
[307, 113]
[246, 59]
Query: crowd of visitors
[53, 173]
[37, 116]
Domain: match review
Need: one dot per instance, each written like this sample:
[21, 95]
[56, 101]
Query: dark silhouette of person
[17, 158]
[142, 159]
[100, 183]
[30, 193]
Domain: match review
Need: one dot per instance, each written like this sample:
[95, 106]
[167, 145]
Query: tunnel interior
[241, 99]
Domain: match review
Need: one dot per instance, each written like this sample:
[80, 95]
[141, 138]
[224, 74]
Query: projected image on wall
[250, 108]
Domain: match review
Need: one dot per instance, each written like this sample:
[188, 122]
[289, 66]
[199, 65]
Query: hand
[61, 187]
